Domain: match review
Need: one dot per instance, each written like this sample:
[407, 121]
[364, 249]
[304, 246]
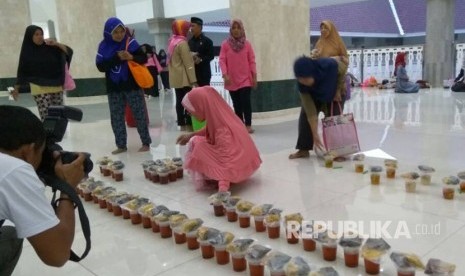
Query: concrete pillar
[279, 32]
[14, 17]
[161, 29]
[439, 45]
[80, 25]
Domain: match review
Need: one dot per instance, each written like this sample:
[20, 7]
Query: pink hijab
[180, 29]
[229, 153]
[239, 43]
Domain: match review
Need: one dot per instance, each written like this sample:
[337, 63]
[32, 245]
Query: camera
[55, 124]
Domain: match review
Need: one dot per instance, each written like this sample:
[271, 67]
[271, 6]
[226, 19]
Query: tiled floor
[425, 128]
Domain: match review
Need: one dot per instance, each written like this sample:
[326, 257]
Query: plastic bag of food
[158, 209]
[426, 169]
[410, 175]
[244, 206]
[207, 233]
[136, 203]
[403, 260]
[261, 210]
[147, 163]
[176, 221]
[191, 225]
[438, 267]
[461, 175]
[277, 260]
[324, 271]
[390, 163]
[239, 246]
[164, 216]
[297, 266]
[112, 198]
[219, 198]
[451, 180]
[92, 186]
[102, 191]
[231, 202]
[222, 239]
[351, 240]
[294, 217]
[374, 249]
[117, 165]
[124, 199]
[146, 209]
[273, 218]
[256, 253]
[327, 238]
[358, 157]
[103, 161]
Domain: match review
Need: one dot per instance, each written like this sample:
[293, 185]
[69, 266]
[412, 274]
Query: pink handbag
[69, 82]
[340, 134]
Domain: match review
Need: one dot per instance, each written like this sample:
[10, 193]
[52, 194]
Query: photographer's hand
[72, 173]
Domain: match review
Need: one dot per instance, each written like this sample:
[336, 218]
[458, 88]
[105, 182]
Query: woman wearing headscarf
[237, 62]
[114, 52]
[403, 85]
[164, 74]
[181, 68]
[223, 150]
[42, 66]
[461, 76]
[154, 68]
[329, 45]
[318, 81]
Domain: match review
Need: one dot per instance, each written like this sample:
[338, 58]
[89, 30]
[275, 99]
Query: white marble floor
[426, 128]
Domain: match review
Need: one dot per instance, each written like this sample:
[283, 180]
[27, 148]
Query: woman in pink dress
[237, 62]
[223, 150]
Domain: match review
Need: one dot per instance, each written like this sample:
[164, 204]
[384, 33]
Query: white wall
[179, 8]
[135, 12]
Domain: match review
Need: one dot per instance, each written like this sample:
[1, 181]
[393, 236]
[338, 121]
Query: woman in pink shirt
[237, 62]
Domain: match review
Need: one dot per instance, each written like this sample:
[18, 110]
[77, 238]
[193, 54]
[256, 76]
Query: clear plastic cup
[244, 220]
[207, 250]
[329, 161]
[351, 256]
[231, 214]
[359, 167]
[372, 267]
[222, 256]
[259, 224]
[192, 243]
[329, 252]
[410, 186]
[448, 193]
[375, 178]
[239, 262]
[425, 178]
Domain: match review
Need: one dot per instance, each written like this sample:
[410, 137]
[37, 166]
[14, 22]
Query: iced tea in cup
[375, 175]
[359, 160]
[329, 160]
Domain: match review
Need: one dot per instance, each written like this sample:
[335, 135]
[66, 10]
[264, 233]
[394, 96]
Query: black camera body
[55, 124]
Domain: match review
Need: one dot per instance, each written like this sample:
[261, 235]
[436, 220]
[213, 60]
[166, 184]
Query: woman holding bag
[112, 59]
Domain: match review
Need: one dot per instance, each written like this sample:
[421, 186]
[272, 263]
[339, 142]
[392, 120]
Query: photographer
[22, 198]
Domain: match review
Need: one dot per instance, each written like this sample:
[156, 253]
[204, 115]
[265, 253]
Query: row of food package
[268, 218]
[163, 171]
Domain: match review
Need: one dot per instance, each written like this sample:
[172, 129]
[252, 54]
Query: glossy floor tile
[426, 128]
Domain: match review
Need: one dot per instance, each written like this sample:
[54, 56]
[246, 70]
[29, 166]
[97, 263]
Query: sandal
[250, 129]
[144, 148]
[119, 150]
[300, 154]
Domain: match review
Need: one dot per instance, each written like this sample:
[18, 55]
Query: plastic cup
[277, 273]
[259, 225]
[390, 172]
[117, 211]
[207, 250]
[372, 266]
[329, 252]
[95, 199]
[309, 245]
[222, 256]
[155, 226]
[101, 169]
[173, 175]
[106, 171]
[87, 196]
[126, 214]
[425, 178]
[118, 175]
[410, 186]
[146, 173]
[180, 172]
[218, 209]
[136, 218]
[410, 271]
[291, 238]
[462, 186]
[102, 203]
[231, 214]
[375, 178]
[179, 238]
[448, 193]
[164, 178]
[256, 269]
[244, 220]
[154, 177]
[165, 229]
[273, 231]
[359, 167]
[109, 207]
[81, 192]
[329, 160]
[146, 222]
[351, 256]
[239, 263]
[192, 243]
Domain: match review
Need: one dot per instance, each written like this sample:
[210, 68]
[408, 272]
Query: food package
[117, 165]
[461, 175]
[164, 216]
[410, 175]
[123, 199]
[177, 161]
[256, 253]
[177, 220]
[222, 239]
[297, 266]
[351, 240]
[261, 210]
[239, 246]
[376, 169]
[158, 209]
[374, 249]
[231, 202]
[359, 157]
[191, 225]
[136, 203]
[324, 271]
[438, 267]
[92, 186]
[112, 198]
[146, 209]
[403, 260]
[327, 238]
[426, 169]
[103, 161]
[390, 163]
[244, 206]
[451, 180]
[102, 191]
[207, 233]
[148, 163]
[294, 217]
[273, 218]
[277, 260]
[219, 198]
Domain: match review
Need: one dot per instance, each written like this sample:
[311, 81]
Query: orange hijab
[332, 44]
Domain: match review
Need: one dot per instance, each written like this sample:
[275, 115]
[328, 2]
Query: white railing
[377, 62]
